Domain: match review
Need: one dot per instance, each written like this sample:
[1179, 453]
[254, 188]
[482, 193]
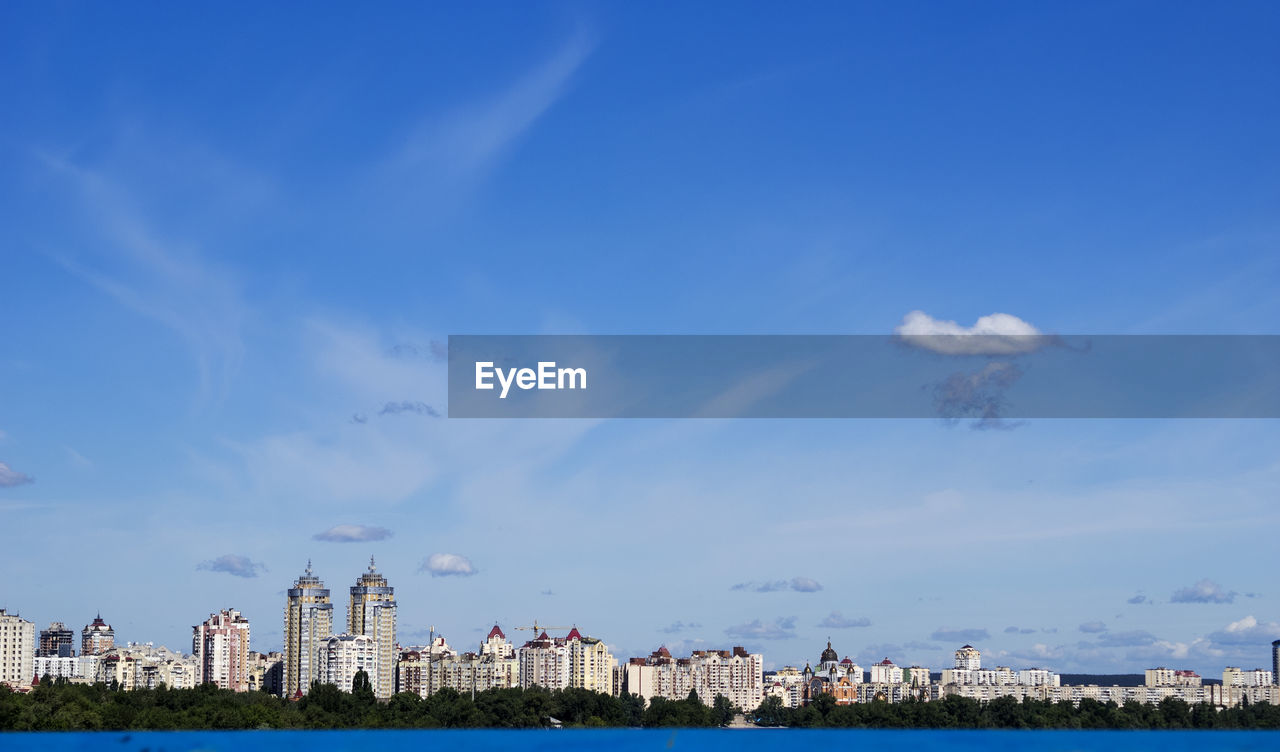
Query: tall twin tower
[308, 630]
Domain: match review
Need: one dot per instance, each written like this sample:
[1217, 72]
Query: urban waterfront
[368, 665]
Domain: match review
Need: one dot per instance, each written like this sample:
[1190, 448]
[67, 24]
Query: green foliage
[60, 706]
[57, 706]
[1007, 713]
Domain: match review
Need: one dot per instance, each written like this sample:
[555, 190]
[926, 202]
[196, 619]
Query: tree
[771, 712]
[361, 682]
[722, 711]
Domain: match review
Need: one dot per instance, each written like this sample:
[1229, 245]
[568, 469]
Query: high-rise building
[308, 624]
[372, 612]
[969, 658]
[97, 637]
[735, 674]
[17, 650]
[56, 642]
[885, 672]
[570, 661]
[1275, 661]
[221, 649]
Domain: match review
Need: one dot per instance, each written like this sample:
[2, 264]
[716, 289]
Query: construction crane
[536, 627]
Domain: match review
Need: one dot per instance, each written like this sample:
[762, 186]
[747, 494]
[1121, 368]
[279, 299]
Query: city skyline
[235, 247]
[296, 599]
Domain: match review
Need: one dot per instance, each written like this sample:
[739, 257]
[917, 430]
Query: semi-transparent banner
[988, 378]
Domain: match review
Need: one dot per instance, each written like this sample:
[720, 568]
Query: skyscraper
[56, 642]
[308, 624]
[221, 649]
[97, 637]
[372, 612]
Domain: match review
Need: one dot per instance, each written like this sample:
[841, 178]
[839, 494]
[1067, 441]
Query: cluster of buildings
[848, 683]
[315, 651]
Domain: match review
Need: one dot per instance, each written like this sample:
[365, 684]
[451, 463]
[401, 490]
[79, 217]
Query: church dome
[829, 655]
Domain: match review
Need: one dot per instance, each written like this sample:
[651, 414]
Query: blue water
[622, 740]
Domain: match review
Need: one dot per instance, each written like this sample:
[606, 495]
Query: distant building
[97, 637]
[56, 642]
[343, 656]
[308, 623]
[969, 658]
[1275, 661]
[81, 669]
[569, 661]
[17, 650]
[221, 649]
[372, 613]
[787, 684]
[266, 672]
[735, 674]
[1039, 677]
[885, 672]
[1168, 677]
[1258, 677]
[834, 676]
[425, 671]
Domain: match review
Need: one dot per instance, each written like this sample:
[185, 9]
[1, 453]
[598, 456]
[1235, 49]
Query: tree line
[1009, 713]
[62, 706]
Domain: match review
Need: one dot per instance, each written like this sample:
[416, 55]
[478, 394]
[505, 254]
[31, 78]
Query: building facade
[735, 674]
[56, 642]
[372, 613]
[97, 637]
[17, 650]
[308, 624]
[343, 656]
[221, 649]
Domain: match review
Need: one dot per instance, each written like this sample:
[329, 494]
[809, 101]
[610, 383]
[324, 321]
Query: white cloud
[996, 334]
[448, 565]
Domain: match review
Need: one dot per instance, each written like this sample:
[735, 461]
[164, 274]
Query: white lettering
[545, 377]
[484, 371]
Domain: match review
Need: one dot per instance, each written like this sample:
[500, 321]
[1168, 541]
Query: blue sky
[230, 237]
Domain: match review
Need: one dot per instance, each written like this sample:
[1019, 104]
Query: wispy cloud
[10, 477]
[352, 534]
[798, 584]
[448, 565]
[1126, 639]
[233, 564]
[434, 350]
[416, 408]
[837, 620]
[159, 278]
[1019, 630]
[1135, 600]
[1204, 591]
[467, 142]
[679, 626]
[947, 634]
[782, 628]
[1093, 627]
